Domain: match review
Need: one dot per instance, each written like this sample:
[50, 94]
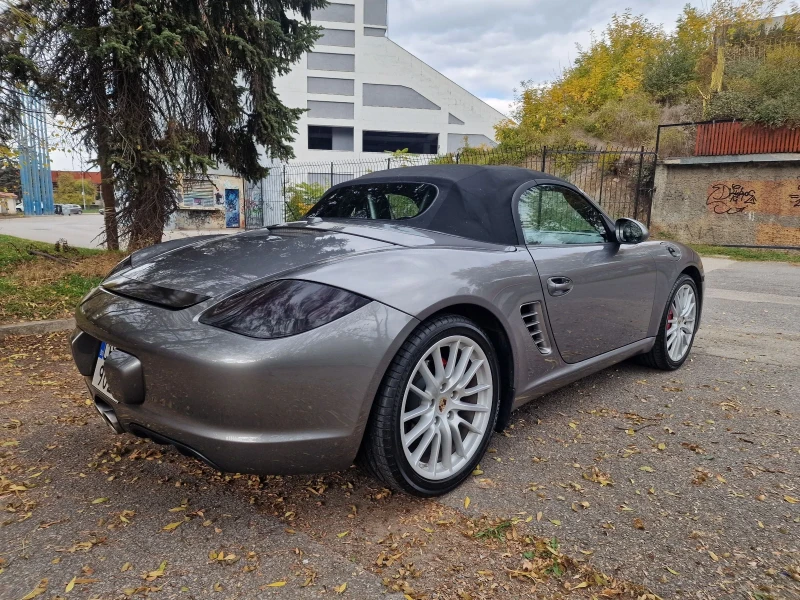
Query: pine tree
[163, 89]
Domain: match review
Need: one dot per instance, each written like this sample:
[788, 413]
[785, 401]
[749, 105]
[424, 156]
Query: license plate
[100, 381]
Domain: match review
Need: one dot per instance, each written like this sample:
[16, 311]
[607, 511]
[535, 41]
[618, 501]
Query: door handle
[558, 286]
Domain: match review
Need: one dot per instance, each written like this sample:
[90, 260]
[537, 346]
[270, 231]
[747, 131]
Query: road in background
[81, 231]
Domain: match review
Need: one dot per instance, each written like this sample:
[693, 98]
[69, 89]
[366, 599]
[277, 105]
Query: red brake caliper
[670, 316]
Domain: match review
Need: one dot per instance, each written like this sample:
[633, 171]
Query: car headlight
[282, 308]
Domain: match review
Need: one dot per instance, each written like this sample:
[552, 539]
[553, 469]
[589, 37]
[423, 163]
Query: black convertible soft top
[474, 201]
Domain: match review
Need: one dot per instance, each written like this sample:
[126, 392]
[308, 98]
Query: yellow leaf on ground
[646, 469]
[791, 500]
[340, 589]
[172, 526]
[674, 572]
[70, 585]
[40, 589]
[276, 584]
[99, 500]
[467, 502]
[343, 534]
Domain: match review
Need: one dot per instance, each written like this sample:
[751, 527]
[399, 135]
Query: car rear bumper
[295, 405]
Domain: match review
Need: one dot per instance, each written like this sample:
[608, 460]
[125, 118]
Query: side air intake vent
[532, 315]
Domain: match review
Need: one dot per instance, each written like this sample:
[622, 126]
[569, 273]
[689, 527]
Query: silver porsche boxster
[398, 324]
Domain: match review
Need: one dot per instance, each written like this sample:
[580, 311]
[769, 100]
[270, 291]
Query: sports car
[397, 325]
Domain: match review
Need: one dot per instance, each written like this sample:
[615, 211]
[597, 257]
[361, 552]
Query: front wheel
[678, 327]
[436, 409]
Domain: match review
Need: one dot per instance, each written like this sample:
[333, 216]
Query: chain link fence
[620, 180]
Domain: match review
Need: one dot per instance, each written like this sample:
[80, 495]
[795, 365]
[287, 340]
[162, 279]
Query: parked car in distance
[72, 209]
[20, 207]
[398, 325]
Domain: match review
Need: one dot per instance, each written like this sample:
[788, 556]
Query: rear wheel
[678, 327]
[436, 409]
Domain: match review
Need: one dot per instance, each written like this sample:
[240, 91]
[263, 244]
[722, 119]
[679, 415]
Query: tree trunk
[107, 193]
[101, 129]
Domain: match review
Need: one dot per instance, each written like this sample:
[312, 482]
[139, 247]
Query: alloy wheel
[681, 322]
[446, 408]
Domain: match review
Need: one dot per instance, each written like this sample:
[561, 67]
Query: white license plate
[100, 381]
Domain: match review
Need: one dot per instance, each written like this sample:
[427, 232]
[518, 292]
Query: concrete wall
[738, 200]
[211, 217]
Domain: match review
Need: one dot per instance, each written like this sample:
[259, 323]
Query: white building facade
[366, 95]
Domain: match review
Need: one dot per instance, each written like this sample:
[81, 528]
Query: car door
[598, 293]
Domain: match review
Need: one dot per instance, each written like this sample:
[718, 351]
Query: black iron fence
[620, 180]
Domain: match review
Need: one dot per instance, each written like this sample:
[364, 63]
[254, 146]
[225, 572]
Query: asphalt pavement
[686, 483]
[81, 231]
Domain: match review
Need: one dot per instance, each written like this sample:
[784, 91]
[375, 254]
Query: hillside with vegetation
[733, 60]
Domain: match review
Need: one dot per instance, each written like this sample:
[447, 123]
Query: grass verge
[35, 287]
[758, 254]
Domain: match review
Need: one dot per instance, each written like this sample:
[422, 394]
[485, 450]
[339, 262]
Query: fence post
[458, 158]
[332, 183]
[658, 140]
[602, 174]
[544, 158]
[389, 163]
[638, 185]
[284, 201]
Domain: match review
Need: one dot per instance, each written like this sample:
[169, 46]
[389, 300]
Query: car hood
[224, 264]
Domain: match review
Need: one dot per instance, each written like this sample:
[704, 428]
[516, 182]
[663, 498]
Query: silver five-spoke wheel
[446, 408]
[681, 322]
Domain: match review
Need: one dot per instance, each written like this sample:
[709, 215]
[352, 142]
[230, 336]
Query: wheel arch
[693, 272]
[496, 331]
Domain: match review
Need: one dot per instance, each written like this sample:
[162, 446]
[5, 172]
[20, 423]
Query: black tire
[382, 454]
[658, 357]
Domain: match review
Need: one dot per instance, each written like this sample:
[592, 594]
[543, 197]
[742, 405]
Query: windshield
[384, 201]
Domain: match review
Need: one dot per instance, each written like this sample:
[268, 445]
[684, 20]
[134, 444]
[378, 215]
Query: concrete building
[366, 95]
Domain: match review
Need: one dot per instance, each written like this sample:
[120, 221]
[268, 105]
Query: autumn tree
[72, 191]
[161, 89]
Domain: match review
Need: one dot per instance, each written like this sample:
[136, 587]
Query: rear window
[382, 201]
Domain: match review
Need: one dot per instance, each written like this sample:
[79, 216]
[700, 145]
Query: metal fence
[620, 180]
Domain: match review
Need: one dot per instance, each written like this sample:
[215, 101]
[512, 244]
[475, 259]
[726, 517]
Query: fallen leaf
[99, 500]
[343, 534]
[275, 584]
[672, 571]
[40, 589]
[646, 469]
[70, 585]
[467, 502]
[791, 500]
[340, 589]
[172, 526]
[638, 523]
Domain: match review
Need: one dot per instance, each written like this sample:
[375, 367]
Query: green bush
[632, 120]
[764, 91]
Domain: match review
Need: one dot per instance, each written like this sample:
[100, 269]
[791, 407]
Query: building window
[330, 138]
[392, 141]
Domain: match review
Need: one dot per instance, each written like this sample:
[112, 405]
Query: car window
[554, 215]
[384, 201]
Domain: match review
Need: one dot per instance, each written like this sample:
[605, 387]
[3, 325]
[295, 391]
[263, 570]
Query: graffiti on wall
[730, 199]
[777, 198]
[795, 198]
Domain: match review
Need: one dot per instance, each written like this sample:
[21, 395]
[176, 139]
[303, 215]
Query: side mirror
[630, 231]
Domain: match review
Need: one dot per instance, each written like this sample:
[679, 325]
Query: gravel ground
[685, 484]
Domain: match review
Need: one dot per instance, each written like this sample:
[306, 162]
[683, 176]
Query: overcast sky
[490, 46]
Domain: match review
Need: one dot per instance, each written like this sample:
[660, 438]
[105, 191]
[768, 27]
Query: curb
[36, 327]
